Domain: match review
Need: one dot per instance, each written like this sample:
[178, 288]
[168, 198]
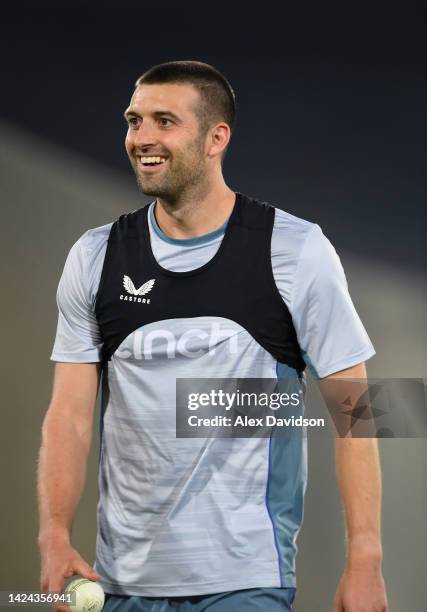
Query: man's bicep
[335, 390]
[346, 397]
[75, 388]
[333, 387]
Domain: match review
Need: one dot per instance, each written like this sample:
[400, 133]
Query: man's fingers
[62, 608]
[337, 606]
[79, 569]
[56, 583]
[53, 576]
[83, 569]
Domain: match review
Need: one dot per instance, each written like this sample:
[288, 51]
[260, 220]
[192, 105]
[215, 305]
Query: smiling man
[168, 174]
[204, 282]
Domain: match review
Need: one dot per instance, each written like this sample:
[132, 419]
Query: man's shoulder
[94, 239]
[302, 243]
[99, 235]
[290, 234]
[286, 222]
[85, 259]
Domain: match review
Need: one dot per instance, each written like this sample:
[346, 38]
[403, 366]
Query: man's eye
[163, 121]
[132, 121]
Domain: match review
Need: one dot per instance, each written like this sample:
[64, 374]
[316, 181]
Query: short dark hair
[216, 93]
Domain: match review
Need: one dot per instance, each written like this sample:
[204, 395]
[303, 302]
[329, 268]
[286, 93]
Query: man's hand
[59, 560]
[361, 590]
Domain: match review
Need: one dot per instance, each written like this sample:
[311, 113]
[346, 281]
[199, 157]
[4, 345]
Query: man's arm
[66, 441]
[361, 588]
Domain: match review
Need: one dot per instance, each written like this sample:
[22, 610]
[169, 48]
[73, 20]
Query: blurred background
[330, 127]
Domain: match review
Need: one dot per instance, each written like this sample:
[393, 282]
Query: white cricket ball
[89, 595]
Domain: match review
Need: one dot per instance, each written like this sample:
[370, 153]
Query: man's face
[162, 122]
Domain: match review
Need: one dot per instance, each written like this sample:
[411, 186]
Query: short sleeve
[77, 337]
[329, 330]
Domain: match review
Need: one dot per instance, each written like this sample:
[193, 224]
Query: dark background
[330, 121]
[330, 127]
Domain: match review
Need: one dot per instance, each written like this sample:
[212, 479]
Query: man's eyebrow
[159, 113]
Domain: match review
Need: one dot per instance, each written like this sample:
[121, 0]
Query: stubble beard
[184, 178]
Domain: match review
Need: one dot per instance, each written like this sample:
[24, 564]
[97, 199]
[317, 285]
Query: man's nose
[145, 135]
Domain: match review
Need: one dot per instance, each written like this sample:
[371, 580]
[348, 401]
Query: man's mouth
[152, 161]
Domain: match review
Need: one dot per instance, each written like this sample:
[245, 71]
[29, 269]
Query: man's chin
[148, 191]
[146, 188]
[158, 191]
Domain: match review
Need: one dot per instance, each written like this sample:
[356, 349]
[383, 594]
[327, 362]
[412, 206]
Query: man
[202, 283]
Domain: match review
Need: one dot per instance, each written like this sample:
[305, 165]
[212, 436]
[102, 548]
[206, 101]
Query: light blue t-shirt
[191, 517]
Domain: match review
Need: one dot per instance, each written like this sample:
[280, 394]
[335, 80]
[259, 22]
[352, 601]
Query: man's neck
[196, 216]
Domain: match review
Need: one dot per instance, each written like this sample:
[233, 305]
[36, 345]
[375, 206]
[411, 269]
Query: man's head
[184, 113]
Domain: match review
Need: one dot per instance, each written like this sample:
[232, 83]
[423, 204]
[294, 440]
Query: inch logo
[135, 294]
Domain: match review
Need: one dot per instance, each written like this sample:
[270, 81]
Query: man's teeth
[152, 160]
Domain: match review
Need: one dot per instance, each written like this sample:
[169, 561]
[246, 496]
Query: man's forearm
[359, 479]
[357, 464]
[61, 474]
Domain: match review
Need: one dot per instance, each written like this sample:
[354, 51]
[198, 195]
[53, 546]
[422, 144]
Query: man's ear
[218, 139]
